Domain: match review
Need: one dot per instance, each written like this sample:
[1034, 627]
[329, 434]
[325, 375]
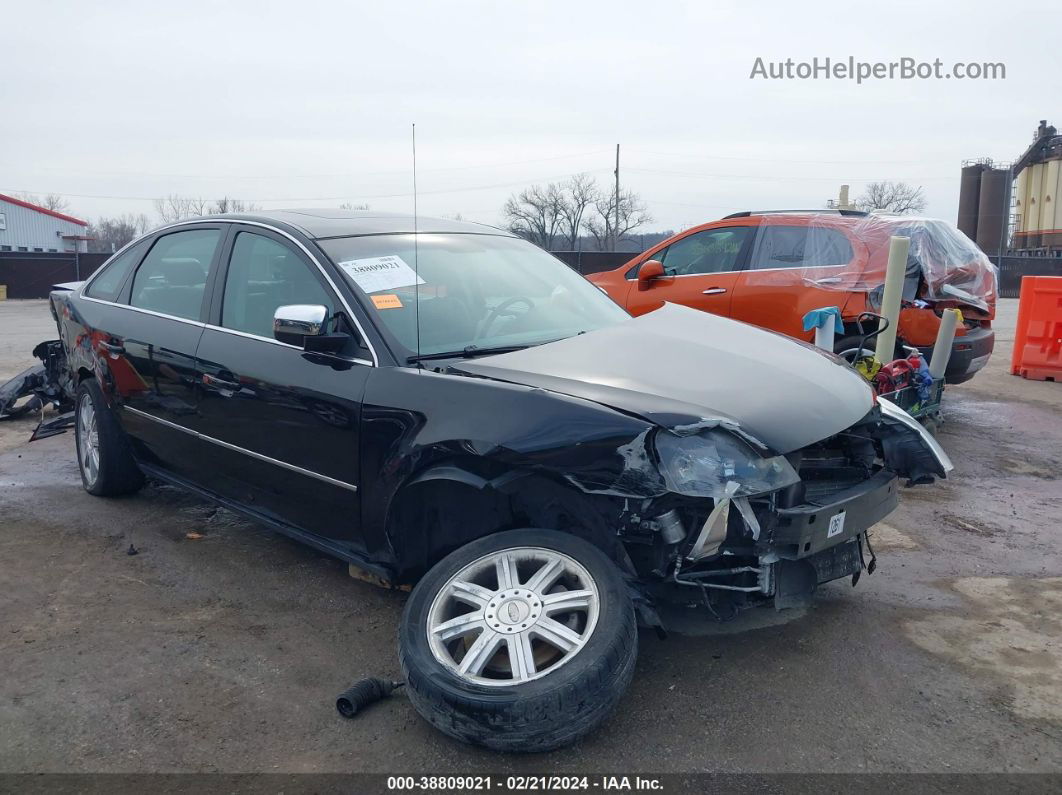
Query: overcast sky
[310, 104]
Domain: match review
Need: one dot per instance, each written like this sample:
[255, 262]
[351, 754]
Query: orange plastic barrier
[1038, 336]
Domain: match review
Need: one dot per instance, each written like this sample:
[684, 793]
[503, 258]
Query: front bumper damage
[741, 551]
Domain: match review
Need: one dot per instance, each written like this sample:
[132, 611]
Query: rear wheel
[103, 454]
[520, 641]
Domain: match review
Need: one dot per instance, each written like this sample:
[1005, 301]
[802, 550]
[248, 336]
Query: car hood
[679, 366]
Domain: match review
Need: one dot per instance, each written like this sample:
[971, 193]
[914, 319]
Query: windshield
[484, 291]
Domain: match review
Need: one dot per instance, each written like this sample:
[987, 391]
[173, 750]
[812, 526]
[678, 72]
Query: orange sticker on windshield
[386, 302]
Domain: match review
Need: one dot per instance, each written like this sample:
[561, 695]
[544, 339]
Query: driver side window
[710, 251]
[264, 274]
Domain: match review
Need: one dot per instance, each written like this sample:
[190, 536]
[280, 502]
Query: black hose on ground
[361, 694]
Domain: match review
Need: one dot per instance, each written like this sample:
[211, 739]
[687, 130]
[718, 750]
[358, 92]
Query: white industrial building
[27, 228]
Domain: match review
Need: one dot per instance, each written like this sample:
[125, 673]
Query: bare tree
[578, 195]
[536, 214]
[112, 233]
[51, 201]
[227, 205]
[893, 197]
[632, 214]
[176, 208]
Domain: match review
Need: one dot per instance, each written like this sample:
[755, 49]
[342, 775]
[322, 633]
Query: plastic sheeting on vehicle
[850, 253]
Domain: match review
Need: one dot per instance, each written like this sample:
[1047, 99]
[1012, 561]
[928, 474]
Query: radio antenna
[416, 264]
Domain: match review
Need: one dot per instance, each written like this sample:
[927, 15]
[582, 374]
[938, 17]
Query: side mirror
[295, 322]
[650, 270]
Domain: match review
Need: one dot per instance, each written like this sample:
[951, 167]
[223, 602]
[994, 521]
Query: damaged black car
[446, 406]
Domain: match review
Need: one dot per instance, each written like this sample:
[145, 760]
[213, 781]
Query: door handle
[714, 291]
[221, 384]
[111, 348]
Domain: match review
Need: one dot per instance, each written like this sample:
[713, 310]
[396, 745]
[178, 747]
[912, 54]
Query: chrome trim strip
[250, 336]
[214, 328]
[282, 233]
[167, 423]
[145, 311]
[290, 467]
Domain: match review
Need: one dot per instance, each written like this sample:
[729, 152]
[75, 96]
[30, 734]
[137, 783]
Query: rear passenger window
[263, 275]
[172, 277]
[800, 247]
[108, 283]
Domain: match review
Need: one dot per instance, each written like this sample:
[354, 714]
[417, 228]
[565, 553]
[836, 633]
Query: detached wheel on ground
[103, 454]
[521, 641]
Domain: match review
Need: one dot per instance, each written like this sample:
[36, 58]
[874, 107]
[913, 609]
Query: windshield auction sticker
[374, 274]
[389, 301]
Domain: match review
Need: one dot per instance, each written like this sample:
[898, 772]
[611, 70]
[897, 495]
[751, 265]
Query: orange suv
[771, 268]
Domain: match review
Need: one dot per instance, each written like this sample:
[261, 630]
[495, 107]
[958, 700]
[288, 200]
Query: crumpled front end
[770, 527]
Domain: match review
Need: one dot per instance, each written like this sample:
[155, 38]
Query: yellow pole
[890, 299]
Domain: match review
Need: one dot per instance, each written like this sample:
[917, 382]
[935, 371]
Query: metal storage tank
[1021, 203]
[993, 210]
[1039, 179]
[1032, 216]
[969, 197]
[1050, 216]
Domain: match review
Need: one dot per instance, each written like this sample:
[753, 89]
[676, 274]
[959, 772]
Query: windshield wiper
[467, 352]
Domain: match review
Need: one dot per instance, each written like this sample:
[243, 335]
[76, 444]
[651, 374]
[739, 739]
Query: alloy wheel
[88, 438]
[513, 616]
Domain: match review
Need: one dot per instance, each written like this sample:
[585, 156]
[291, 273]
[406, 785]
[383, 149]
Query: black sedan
[445, 405]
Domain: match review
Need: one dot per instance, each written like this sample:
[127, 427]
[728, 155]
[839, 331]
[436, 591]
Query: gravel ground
[225, 652]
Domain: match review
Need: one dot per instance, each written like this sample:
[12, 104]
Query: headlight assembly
[702, 464]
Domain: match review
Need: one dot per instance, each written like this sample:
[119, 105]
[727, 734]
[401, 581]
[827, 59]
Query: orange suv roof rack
[747, 213]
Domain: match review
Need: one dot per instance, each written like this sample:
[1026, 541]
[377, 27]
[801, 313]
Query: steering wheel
[503, 310]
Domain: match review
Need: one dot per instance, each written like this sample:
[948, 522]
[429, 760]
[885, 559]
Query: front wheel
[103, 454]
[520, 641]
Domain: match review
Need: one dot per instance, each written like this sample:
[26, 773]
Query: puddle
[1010, 633]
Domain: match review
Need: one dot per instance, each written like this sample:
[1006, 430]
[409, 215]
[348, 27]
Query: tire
[852, 344]
[845, 344]
[103, 452]
[565, 697]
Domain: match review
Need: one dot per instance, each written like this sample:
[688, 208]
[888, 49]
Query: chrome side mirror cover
[294, 322]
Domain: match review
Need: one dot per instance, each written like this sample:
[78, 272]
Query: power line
[773, 160]
[346, 197]
[776, 177]
[337, 174]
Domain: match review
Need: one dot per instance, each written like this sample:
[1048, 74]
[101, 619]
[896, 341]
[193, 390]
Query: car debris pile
[47, 383]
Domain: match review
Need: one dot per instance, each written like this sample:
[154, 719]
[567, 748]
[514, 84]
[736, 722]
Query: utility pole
[615, 224]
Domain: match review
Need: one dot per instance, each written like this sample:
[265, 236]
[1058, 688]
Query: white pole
[824, 336]
[942, 347]
[890, 299]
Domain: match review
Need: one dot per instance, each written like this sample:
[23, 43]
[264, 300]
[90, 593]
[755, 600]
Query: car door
[283, 424]
[700, 270]
[793, 269]
[148, 343]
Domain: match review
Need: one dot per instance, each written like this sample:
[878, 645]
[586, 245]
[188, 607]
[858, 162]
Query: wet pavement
[220, 646]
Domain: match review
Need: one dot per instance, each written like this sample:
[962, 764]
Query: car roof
[321, 223]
